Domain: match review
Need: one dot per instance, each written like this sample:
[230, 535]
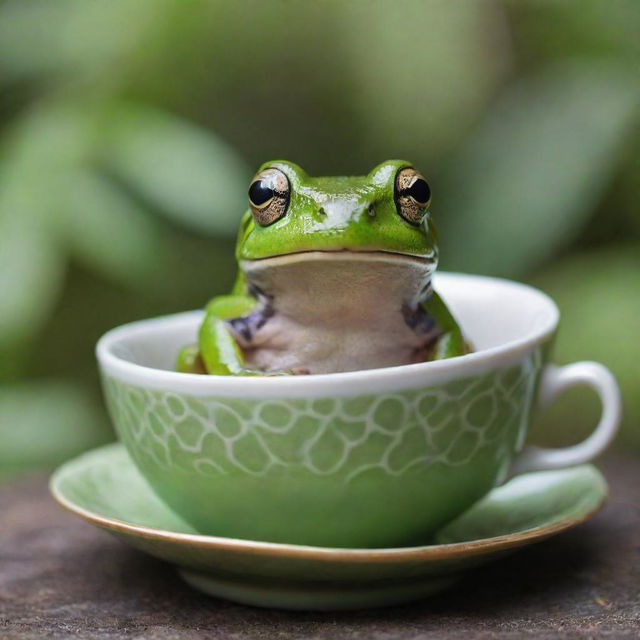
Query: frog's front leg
[450, 341]
[219, 350]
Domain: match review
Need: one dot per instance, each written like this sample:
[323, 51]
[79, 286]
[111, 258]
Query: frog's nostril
[371, 210]
[321, 211]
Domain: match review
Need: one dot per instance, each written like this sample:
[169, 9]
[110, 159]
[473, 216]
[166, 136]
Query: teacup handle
[555, 380]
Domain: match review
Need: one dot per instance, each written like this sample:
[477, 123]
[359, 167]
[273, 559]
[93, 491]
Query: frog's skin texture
[334, 275]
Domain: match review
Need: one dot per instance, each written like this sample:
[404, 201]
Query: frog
[334, 275]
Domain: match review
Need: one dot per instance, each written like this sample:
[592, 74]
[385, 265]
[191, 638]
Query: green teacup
[373, 458]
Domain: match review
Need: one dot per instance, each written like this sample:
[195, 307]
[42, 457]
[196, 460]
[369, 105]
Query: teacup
[374, 458]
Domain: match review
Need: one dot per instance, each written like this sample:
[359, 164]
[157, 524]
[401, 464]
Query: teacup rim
[411, 374]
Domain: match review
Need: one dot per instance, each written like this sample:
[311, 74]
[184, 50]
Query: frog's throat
[346, 278]
[424, 263]
[323, 311]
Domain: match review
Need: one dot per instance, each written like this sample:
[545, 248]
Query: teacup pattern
[342, 437]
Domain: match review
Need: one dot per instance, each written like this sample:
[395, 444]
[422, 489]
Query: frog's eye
[412, 195]
[269, 196]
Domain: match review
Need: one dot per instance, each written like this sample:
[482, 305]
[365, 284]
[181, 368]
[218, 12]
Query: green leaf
[598, 293]
[79, 38]
[43, 423]
[416, 92]
[110, 233]
[49, 138]
[39, 149]
[189, 173]
[534, 172]
[31, 272]
[585, 28]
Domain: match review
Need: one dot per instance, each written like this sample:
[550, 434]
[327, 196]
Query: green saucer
[105, 488]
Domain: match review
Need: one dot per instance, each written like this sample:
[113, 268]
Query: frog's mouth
[345, 255]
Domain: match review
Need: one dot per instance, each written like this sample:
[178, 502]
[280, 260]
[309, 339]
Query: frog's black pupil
[260, 192]
[420, 191]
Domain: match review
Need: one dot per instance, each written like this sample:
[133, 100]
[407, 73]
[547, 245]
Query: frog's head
[384, 212]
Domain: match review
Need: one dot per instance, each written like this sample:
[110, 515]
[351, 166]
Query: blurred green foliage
[129, 131]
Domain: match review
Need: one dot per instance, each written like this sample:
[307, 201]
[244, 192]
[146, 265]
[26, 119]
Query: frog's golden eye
[412, 195]
[269, 196]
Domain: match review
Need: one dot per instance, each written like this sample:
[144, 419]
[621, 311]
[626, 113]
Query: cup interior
[495, 314]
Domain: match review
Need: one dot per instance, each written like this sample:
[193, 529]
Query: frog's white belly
[330, 312]
[326, 350]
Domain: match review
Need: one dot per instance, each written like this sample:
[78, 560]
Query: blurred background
[129, 132]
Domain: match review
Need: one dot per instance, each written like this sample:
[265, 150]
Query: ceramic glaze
[358, 459]
[105, 488]
[325, 466]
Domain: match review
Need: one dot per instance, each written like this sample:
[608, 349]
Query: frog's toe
[295, 371]
[190, 361]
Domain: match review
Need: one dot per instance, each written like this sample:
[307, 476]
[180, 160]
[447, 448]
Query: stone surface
[60, 578]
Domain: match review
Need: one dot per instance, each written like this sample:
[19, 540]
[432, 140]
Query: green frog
[334, 275]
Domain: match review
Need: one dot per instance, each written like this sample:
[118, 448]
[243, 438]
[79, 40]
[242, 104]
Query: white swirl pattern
[393, 432]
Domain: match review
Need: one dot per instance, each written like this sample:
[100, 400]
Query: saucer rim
[444, 551]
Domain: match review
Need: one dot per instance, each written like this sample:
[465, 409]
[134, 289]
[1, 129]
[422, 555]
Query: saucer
[105, 488]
